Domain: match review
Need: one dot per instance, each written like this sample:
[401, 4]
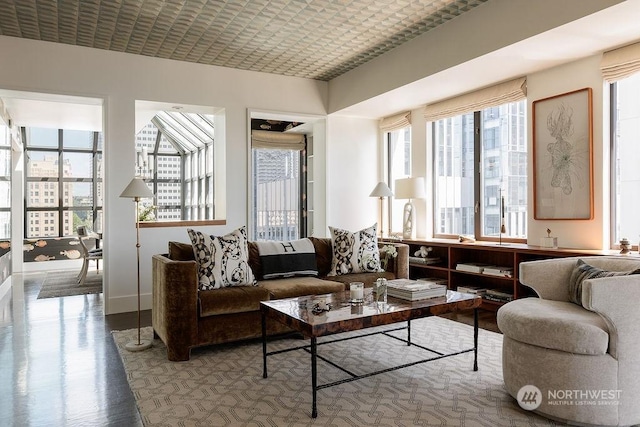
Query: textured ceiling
[305, 38]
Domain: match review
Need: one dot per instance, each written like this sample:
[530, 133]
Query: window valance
[620, 63]
[399, 121]
[511, 91]
[277, 140]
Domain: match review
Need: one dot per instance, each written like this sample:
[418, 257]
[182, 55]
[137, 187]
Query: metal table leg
[264, 345]
[475, 339]
[408, 332]
[314, 376]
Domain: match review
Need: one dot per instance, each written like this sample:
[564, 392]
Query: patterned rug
[64, 283]
[223, 385]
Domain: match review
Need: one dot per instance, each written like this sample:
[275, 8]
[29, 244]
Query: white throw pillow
[222, 260]
[355, 252]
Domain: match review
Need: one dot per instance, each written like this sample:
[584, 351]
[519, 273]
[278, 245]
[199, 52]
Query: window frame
[478, 194]
[96, 210]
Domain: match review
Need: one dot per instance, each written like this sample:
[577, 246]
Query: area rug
[223, 385]
[64, 283]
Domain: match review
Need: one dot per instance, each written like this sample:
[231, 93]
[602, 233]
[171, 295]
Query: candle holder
[356, 293]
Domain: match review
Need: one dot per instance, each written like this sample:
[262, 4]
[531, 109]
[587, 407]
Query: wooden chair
[87, 255]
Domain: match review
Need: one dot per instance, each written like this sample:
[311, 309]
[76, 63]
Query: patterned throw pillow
[355, 252]
[222, 260]
[583, 271]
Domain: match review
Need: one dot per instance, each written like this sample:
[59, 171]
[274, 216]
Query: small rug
[223, 385]
[64, 283]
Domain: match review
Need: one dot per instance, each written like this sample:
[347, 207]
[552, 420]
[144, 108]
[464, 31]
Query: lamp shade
[410, 188]
[381, 190]
[137, 188]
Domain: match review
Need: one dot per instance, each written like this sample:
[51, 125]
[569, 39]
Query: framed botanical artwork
[563, 156]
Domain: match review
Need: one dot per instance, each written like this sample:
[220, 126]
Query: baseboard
[129, 303]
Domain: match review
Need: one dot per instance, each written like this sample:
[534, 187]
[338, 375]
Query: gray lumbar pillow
[583, 271]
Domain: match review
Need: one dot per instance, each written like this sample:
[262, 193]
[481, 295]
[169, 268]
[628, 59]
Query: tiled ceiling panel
[305, 38]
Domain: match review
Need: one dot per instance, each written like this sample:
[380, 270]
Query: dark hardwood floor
[59, 365]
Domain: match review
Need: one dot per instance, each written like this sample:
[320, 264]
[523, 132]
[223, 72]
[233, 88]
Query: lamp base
[408, 232]
[134, 346]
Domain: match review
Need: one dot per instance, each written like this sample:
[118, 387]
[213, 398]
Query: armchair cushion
[556, 325]
[583, 271]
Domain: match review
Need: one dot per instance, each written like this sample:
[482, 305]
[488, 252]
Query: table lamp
[409, 188]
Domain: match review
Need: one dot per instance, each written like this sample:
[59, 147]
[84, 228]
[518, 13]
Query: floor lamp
[136, 190]
[382, 190]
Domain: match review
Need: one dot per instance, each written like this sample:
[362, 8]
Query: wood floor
[59, 365]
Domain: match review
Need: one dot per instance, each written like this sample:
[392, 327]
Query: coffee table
[298, 314]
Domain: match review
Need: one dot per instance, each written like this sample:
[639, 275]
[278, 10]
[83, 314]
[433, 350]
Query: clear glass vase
[380, 289]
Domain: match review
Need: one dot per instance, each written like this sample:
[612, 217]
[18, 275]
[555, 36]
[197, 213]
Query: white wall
[353, 168]
[121, 79]
[585, 234]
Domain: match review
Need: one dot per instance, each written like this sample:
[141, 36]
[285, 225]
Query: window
[64, 180]
[494, 139]
[625, 120]
[5, 181]
[279, 183]
[399, 166]
[175, 155]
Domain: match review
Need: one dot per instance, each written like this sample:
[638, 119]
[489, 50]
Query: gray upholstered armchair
[584, 358]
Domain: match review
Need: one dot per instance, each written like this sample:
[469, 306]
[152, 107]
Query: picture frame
[563, 156]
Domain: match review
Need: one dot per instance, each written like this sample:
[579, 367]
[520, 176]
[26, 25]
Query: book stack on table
[414, 290]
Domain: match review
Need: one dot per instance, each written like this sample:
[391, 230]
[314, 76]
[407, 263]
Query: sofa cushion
[222, 260]
[367, 278]
[354, 252]
[324, 254]
[235, 299]
[557, 325]
[281, 259]
[299, 286]
[583, 271]
[179, 251]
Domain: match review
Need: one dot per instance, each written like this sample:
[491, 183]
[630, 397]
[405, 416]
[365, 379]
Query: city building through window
[493, 202]
[64, 181]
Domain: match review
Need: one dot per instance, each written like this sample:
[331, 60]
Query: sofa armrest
[399, 265]
[175, 305]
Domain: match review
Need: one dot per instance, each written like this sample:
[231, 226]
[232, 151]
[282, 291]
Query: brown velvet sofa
[184, 317]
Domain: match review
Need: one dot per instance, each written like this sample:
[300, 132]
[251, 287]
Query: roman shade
[277, 140]
[620, 63]
[511, 91]
[398, 121]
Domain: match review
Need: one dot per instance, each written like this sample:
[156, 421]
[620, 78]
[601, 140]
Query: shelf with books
[501, 261]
